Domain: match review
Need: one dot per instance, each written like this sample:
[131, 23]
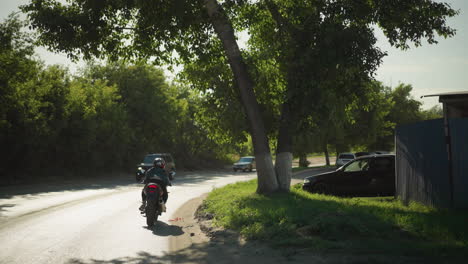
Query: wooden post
[448, 143]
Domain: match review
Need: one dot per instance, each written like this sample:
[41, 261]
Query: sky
[430, 69]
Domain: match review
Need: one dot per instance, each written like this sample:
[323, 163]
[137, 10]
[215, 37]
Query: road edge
[184, 217]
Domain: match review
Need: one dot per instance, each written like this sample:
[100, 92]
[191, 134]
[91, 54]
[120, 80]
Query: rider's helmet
[158, 162]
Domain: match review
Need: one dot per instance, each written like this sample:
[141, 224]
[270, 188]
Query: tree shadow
[227, 249]
[4, 207]
[196, 177]
[206, 252]
[7, 192]
[141, 258]
[119, 181]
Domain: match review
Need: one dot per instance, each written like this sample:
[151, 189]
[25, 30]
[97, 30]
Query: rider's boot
[142, 207]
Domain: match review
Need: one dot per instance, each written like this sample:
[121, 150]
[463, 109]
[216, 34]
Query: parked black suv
[148, 163]
[367, 175]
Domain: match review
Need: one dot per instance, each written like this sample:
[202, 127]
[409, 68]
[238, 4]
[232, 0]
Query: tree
[101, 120]
[147, 28]
[405, 109]
[18, 69]
[144, 29]
[328, 47]
[433, 113]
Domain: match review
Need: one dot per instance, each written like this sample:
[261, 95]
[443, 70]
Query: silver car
[245, 164]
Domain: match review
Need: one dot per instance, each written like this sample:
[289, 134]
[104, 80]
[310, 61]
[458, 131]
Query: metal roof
[447, 94]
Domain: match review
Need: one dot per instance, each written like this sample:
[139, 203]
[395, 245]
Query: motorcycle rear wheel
[151, 211]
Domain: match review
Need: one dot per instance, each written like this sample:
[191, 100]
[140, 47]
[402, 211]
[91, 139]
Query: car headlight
[310, 180]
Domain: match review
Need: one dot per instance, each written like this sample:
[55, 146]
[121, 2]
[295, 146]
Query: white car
[344, 158]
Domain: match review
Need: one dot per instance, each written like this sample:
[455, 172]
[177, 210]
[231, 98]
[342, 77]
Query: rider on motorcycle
[158, 171]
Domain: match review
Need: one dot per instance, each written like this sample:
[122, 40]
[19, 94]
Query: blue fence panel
[422, 163]
[459, 139]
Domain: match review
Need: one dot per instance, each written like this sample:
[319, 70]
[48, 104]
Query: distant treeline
[104, 119]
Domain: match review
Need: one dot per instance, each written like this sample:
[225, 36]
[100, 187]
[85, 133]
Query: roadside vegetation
[102, 119]
[305, 74]
[106, 116]
[330, 224]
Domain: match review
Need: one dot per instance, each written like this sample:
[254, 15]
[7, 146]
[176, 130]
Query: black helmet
[158, 162]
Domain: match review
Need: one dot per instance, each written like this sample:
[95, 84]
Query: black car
[148, 163]
[367, 175]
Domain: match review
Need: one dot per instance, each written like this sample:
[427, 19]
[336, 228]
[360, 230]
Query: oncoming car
[245, 164]
[366, 175]
[148, 163]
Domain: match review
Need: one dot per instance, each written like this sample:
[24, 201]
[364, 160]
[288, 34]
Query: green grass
[328, 223]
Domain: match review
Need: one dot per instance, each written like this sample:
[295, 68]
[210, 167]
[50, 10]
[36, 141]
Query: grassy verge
[328, 223]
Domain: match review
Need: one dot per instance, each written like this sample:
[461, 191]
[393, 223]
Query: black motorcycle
[154, 200]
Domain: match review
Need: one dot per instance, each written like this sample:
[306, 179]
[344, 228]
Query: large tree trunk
[283, 164]
[327, 155]
[284, 155]
[303, 162]
[267, 181]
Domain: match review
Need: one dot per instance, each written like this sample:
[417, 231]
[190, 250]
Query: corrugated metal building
[432, 156]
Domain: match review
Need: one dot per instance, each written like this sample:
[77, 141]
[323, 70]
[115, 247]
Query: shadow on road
[249, 254]
[196, 177]
[141, 257]
[119, 181]
[163, 229]
[196, 253]
[4, 207]
[7, 192]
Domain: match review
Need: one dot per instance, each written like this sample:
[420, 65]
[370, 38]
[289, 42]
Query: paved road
[93, 223]
[299, 177]
[97, 222]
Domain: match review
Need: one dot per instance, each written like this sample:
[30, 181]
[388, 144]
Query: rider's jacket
[159, 172]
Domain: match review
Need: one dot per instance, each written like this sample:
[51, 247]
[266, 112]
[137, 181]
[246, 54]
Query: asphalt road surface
[91, 222]
[94, 222]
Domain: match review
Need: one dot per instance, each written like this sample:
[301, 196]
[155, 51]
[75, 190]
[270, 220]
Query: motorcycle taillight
[152, 188]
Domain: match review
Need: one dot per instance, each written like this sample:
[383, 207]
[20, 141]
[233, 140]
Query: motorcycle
[154, 200]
